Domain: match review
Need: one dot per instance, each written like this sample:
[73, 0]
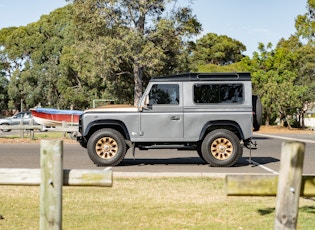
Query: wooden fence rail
[263, 185]
[71, 177]
[63, 128]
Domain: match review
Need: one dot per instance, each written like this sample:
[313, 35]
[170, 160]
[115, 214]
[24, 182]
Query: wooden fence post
[289, 185]
[21, 131]
[51, 163]
[32, 130]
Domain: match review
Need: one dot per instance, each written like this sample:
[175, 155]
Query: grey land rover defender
[212, 113]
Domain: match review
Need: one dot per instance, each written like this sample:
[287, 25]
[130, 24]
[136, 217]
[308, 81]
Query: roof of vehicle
[242, 76]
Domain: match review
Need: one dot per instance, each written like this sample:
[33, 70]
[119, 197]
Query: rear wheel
[221, 148]
[106, 147]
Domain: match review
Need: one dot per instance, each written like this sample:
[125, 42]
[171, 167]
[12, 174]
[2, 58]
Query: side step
[179, 147]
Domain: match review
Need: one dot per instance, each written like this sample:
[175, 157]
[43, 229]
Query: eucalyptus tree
[305, 24]
[125, 40]
[275, 74]
[218, 50]
[305, 30]
[3, 87]
[34, 53]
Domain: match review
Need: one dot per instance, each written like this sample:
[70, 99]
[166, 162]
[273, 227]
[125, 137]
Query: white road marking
[285, 138]
[263, 167]
[277, 137]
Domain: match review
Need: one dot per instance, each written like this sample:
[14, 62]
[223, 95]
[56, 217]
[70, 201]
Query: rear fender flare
[221, 124]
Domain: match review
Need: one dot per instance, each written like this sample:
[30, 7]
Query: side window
[19, 115]
[218, 93]
[164, 94]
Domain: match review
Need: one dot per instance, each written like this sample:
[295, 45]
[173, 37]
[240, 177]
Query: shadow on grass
[307, 209]
[266, 211]
[304, 209]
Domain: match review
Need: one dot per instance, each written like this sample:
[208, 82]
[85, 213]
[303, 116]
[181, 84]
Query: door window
[164, 94]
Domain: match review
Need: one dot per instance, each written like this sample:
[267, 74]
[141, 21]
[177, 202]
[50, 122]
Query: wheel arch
[222, 124]
[92, 127]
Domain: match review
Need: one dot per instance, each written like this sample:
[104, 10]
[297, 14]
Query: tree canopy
[131, 40]
[218, 50]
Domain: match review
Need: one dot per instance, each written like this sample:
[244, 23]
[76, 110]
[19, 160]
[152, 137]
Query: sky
[248, 21]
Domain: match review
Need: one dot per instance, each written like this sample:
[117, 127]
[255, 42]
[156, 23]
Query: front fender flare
[107, 123]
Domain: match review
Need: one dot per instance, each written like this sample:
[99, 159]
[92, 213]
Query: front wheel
[106, 147]
[221, 148]
[5, 130]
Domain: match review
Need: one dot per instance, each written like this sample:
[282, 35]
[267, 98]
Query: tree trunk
[137, 69]
[302, 119]
[267, 119]
[138, 74]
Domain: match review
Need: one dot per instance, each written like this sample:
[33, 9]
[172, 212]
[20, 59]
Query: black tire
[257, 112]
[221, 148]
[200, 153]
[106, 147]
[5, 130]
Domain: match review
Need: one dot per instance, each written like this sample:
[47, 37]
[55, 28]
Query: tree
[305, 30]
[36, 57]
[217, 49]
[305, 24]
[3, 88]
[274, 79]
[128, 38]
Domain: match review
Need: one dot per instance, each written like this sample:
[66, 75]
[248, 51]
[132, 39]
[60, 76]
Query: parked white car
[22, 117]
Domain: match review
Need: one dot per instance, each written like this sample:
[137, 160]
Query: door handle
[175, 118]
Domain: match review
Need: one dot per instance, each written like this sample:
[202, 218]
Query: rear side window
[218, 93]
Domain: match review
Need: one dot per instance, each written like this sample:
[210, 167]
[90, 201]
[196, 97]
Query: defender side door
[162, 120]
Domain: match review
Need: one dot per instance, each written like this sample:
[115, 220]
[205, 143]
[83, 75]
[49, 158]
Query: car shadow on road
[260, 160]
[244, 161]
[260, 138]
[163, 161]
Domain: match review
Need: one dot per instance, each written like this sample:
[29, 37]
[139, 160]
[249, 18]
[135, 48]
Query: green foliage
[218, 50]
[34, 53]
[3, 91]
[305, 24]
[134, 39]
[275, 81]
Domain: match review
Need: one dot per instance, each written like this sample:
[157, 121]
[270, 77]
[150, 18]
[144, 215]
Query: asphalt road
[167, 162]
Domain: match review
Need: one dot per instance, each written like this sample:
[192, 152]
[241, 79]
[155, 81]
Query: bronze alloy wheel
[106, 148]
[221, 148]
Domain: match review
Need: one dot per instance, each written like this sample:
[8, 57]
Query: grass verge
[149, 203]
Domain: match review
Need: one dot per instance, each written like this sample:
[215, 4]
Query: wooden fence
[288, 186]
[51, 177]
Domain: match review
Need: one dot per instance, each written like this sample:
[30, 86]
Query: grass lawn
[149, 203]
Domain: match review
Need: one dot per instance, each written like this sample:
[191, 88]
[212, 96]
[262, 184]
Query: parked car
[24, 117]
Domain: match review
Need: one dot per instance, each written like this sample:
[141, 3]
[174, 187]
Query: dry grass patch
[149, 203]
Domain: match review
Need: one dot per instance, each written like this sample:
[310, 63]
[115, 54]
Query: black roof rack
[242, 76]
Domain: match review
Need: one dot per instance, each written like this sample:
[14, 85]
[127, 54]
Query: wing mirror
[145, 103]
[146, 100]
